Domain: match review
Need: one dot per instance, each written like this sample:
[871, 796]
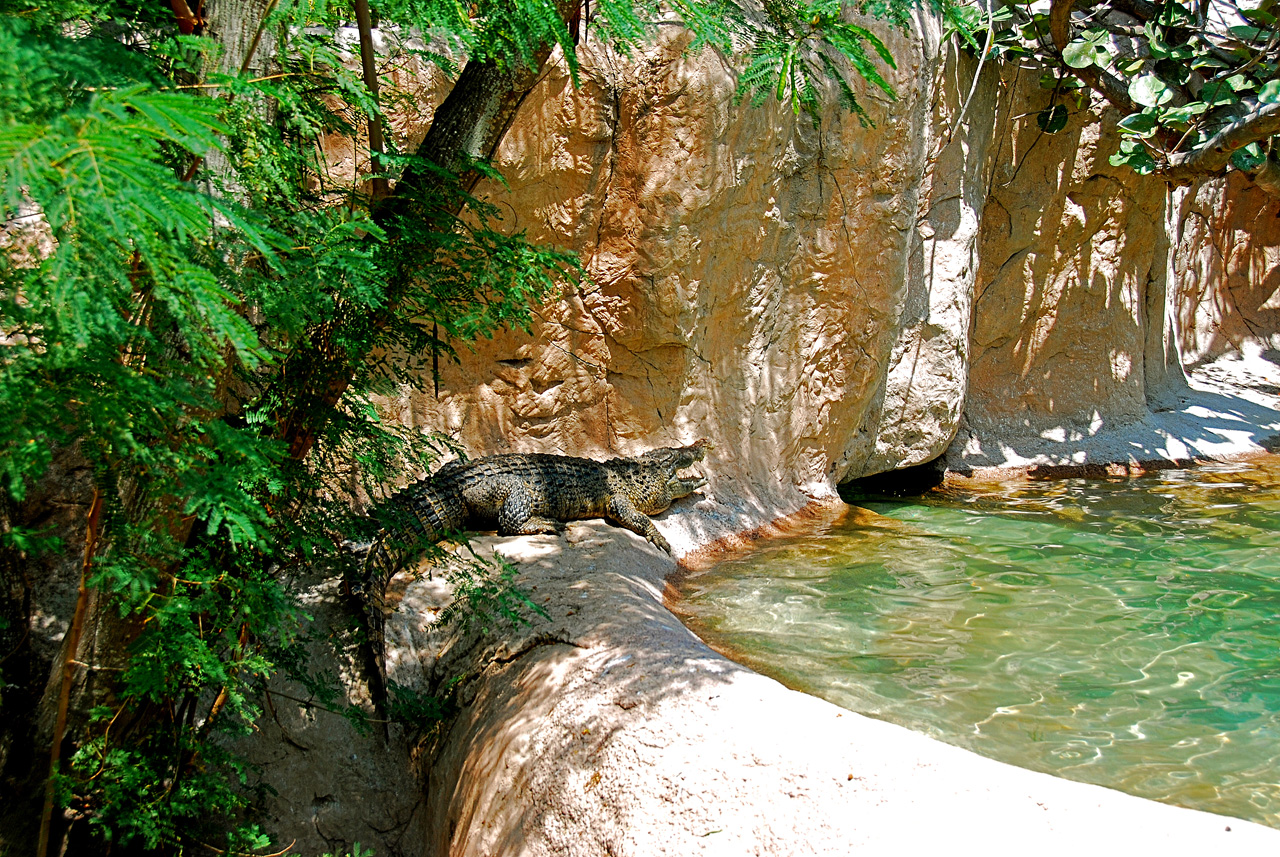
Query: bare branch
[368, 64]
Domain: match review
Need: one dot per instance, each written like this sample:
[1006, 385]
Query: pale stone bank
[821, 304]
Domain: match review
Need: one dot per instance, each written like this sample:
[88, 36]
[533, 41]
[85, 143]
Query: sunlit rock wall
[798, 296]
[829, 303]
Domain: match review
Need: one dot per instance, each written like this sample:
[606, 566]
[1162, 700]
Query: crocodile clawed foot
[661, 542]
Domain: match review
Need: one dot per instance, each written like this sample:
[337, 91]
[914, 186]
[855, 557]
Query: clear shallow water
[1125, 632]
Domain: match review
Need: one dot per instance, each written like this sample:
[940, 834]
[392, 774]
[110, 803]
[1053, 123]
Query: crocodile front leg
[622, 511]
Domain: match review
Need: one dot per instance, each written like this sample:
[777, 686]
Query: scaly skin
[521, 494]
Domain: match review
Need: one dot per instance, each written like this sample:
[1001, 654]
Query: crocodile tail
[421, 514]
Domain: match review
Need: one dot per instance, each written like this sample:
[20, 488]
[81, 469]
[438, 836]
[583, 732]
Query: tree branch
[1261, 124]
[469, 125]
[368, 64]
[69, 646]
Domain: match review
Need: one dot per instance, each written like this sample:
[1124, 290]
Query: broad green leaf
[1218, 92]
[1079, 54]
[1263, 17]
[1139, 124]
[1248, 34]
[1155, 41]
[1240, 82]
[1134, 155]
[1208, 61]
[1183, 114]
[1248, 158]
[1270, 92]
[1150, 91]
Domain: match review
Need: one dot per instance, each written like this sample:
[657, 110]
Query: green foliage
[147, 323]
[1187, 73]
[800, 46]
[153, 792]
[356, 851]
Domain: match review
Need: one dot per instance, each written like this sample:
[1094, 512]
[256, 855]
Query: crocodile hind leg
[623, 512]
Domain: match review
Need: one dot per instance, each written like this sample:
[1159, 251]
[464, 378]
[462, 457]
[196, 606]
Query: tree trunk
[468, 126]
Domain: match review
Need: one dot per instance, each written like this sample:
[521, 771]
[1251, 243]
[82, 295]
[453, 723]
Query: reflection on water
[1118, 632]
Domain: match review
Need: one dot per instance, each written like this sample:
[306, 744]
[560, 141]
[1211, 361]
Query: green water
[1117, 632]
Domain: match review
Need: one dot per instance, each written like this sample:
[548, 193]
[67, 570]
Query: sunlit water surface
[1118, 632]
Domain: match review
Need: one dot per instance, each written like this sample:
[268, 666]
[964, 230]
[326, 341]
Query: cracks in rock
[537, 641]
[649, 368]
[995, 160]
[284, 731]
[848, 238]
[615, 104]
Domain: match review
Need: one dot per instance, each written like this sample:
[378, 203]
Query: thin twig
[973, 88]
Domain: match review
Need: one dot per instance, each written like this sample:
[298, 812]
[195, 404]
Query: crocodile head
[654, 481]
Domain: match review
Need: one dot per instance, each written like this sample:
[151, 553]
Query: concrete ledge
[609, 728]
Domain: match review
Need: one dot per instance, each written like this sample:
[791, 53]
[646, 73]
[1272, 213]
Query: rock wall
[1069, 248]
[1226, 264]
[797, 295]
[1097, 289]
[824, 304]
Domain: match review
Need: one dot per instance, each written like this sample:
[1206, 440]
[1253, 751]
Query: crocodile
[522, 494]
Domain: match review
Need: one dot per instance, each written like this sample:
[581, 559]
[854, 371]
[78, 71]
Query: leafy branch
[1196, 83]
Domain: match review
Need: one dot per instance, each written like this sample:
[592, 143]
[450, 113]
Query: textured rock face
[829, 303]
[794, 295]
[1071, 250]
[1096, 287]
[1226, 265]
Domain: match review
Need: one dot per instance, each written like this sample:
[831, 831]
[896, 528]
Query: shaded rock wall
[1071, 249]
[1226, 265]
[1097, 288]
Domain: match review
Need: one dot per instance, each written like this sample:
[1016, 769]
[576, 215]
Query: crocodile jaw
[683, 487]
[686, 456]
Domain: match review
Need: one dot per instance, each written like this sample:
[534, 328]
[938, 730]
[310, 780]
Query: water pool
[1121, 632]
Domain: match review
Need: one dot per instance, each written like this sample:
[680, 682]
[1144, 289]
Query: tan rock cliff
[824, 304]
[798, 296]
